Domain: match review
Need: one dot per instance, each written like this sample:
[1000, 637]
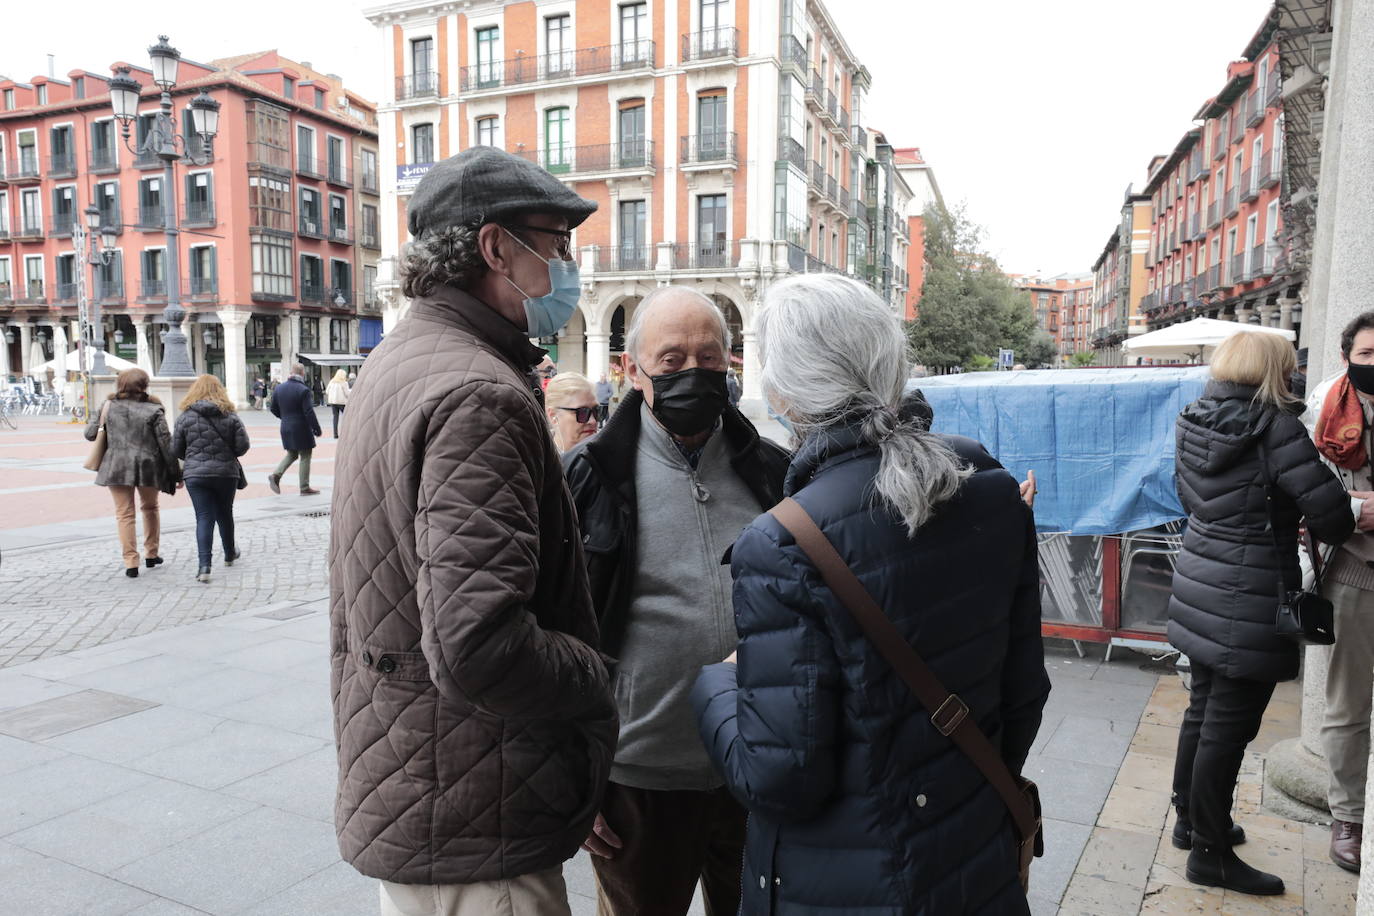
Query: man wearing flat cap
[472, 711]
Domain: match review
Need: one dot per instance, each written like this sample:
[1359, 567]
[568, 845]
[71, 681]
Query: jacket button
[763, 882]
[367, 659]
[386, 664]
[920, 801]
[777, 882]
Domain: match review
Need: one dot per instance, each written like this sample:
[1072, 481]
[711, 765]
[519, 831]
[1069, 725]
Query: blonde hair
[564, 385]
[208, 388]
[1264, 361]
[340, 376]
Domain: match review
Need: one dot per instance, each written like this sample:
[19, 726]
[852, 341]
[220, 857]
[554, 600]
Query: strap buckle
[946, 722]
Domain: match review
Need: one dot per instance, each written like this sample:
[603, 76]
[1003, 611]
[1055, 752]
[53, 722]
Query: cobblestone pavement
[59, 599]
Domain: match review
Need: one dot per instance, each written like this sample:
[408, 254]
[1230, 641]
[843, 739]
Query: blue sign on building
[408, 176]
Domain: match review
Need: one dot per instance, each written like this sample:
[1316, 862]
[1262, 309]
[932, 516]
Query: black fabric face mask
[1362, 377]
[690, 401]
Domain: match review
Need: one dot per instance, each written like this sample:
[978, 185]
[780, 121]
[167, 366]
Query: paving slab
[36, 884]
[47, 790]
[50, 718]
[137, 735]
[230, 752]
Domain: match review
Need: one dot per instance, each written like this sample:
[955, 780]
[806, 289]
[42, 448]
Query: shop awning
[333, 359]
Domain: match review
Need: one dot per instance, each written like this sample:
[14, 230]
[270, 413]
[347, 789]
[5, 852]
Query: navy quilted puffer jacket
[857, 804]
[209, 440]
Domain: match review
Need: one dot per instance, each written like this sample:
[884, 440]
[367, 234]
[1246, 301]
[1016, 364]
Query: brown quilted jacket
[473, 715]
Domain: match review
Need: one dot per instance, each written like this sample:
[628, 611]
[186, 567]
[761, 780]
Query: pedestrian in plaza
[603, 399]
[1340, 414]
[857, 802]
[210, 438]
[294, 406]
[336, 395]
[1246, 473]
[259, 393]
[138, 462]
[571, 407]
[473, 711]
[732, 387]
[662, 493]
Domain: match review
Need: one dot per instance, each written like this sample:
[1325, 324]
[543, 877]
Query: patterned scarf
[1340, 428]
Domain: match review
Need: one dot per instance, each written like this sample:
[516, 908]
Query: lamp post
[167, 144]
[88, 306]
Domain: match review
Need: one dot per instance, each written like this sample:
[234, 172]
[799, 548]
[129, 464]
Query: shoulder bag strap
[948, 713]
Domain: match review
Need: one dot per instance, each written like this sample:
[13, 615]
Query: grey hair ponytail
[834, 354]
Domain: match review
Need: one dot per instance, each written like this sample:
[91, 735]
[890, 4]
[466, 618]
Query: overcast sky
[1038, 113]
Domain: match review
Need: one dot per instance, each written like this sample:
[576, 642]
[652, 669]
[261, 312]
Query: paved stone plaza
[167, 745]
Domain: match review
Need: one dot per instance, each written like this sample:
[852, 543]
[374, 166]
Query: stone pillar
[752, 390]
[1286, 313]
[1268, 315]
[572, 355]
[145, 349]
[598, 354]
[25, 348]
[288, 336]
[4, 355]
[235, 354]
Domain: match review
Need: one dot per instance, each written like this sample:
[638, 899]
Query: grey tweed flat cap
[485, 185]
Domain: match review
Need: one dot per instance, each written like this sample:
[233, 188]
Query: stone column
[25, 348]
[4, 354]
[752, 390]
[1286, 313]
[235, 354]
[288, 338]
[572, 355]
[145, 349]
[598, 354]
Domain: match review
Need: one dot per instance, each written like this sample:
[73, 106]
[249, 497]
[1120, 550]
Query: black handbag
[1303, 615]
[242, 481]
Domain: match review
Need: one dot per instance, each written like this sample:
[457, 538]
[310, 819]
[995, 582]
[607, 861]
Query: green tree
[968, 305]
[1040, 352]
[980, 363]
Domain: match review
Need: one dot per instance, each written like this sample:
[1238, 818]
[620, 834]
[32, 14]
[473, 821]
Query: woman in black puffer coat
[210, 438]
[857, 803]
[1242, 456]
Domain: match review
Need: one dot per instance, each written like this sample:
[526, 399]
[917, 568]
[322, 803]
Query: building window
[288, 87]
[41, 91]
[558, 43]
[102, 145]
[310, 211]
[269, 203]
[271, 262]
[341, 278]
[150, 214]
[632, 147]
[310, 335]
[305, 150]
[31, 211]
[369, 286]
[28, 152]
[711, 231]
[369, 159]
[312, 279]
[107, 202]
[712, 126]
[200, 198]
[33, 276]
[369, 227]
[154, 267]
[4, 215]
[269, 138]
[422, 144]
[262, 333]
[422, 64]
[336, 157]
[338, 215]
[488, 71]
[713, 14]
[9, 99]
[202, 270]
[319, 97]
[65, 276]
[339, 335]
[634, 33]
[633, 234]
[111, 277]
[486, 132]
[557, 140]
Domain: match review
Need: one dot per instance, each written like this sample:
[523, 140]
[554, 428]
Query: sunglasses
[584, 414]
[562, 244]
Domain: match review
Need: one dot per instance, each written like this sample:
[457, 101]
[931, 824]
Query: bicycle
[7, 418]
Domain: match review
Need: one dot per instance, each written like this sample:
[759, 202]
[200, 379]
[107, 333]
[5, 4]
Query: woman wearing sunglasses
[570, 403]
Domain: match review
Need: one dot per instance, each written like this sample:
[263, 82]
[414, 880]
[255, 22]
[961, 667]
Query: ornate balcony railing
[62, 165]
[424, 84]
[626, 56]
[102, 159]
[718, 254]
[790, 150]
[199, 213]
[720, 43]
[704, 149]
[629, 156]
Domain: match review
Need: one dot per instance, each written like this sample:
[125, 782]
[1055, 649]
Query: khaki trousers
[124, 517]
[542, 893]
[1349, 681]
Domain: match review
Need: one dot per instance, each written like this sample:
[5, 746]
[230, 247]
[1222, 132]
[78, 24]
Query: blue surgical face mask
[546, 315]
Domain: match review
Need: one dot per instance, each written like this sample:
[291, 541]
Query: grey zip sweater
[681, 616]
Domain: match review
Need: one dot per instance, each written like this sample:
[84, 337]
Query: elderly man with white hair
[662, 492]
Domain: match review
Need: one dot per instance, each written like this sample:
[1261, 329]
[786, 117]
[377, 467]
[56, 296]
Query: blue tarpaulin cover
[1101, 441]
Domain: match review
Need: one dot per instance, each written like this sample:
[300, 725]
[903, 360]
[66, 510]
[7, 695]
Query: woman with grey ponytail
[857, 799]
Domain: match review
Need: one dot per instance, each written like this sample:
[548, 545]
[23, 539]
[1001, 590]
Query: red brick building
[278, 233]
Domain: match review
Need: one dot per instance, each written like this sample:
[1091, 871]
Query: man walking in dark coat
[292, 404]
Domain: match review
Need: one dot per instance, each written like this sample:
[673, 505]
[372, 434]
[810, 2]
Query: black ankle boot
[1183, 833]
[1219, 866]
[153, 561]
[131, 572]
[203, 574]
[229, 558]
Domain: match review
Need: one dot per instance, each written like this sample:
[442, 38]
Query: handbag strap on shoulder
[948, 713]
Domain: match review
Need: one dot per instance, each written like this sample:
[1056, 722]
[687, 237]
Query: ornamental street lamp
[165, 143]
[88, 306]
